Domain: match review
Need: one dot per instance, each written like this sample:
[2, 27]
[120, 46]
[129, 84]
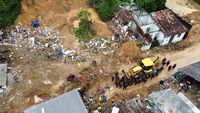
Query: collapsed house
[70, 102]
[166, 101]
[162, 27]
[192, 71]
[6, 77]
[3, 76]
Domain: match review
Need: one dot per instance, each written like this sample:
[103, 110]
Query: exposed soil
[61, 14]
[182, 7]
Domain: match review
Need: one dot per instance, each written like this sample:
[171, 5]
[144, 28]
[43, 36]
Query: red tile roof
[168, 22]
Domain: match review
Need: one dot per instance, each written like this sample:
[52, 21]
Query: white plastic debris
[37, 99]
[47, 82]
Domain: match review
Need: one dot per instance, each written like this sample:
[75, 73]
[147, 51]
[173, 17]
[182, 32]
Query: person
[71, 77]
[90, 100]
[161, 69]
[164, 61]
[168, 62]
[169, 68]
[94, 63]
[161, 82]
[113, 78]
[79, 78]
[174, 66]
[78, 65]
[116, 79]
[124, 72]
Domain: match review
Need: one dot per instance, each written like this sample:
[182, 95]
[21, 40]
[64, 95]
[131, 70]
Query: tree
[107, 8]
[9, 9]
[151, 5]
[85, 32]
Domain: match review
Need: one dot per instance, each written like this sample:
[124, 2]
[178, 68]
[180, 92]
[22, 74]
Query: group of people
[127, 80]
[167, 64]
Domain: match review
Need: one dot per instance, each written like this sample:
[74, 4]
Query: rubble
[37, 99]
[101, 45]
[45, 40]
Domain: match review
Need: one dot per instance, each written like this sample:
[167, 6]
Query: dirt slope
[182, 7]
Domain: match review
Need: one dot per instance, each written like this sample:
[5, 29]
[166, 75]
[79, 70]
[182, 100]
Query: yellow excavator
[147, 65]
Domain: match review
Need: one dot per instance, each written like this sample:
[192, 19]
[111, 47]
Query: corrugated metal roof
[3, 71]
[69, 102]
[168, 23]
[169, 102]
[192, 70]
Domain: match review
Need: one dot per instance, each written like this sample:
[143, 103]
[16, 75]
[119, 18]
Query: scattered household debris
[165, 101]
[45, 40]
[46, 82]
[6, 77]
[101, 45]
[169, 101]
[37, 99]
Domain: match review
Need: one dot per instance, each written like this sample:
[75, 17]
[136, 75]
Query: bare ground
[62, 15]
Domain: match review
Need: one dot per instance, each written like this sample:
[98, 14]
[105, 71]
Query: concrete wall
[178, 37]
[160, 37]
[154, 34]
[153, 28]
[147, 19]
[137, 20]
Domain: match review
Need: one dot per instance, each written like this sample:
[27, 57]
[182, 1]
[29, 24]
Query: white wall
[147, 19]
[153, 28]
[178, 38]
[160, 37]
[166, 40]
[154, 34]
[137, 20]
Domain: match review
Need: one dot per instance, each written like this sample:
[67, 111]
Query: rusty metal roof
[124, 15]
[168, 22]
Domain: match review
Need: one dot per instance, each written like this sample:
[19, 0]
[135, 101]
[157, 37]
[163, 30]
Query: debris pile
[45, 40]
[123, 24]
[101, 45]
[128, 51]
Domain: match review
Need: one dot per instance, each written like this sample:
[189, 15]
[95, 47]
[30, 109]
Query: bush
[85, 32]
[151, 5]
[106, 8]
[9, 9]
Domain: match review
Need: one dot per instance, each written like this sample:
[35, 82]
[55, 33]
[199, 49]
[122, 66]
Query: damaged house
[162, 26]
[165, 101]
[3, 76]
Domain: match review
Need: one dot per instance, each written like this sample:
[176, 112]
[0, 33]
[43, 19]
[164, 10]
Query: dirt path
[182, 7]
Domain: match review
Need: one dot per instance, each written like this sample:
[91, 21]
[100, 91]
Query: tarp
[35, 23]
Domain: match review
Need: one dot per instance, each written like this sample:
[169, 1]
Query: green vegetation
[85, 32]
[9, 9]
[151, 5]
[106, 8]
